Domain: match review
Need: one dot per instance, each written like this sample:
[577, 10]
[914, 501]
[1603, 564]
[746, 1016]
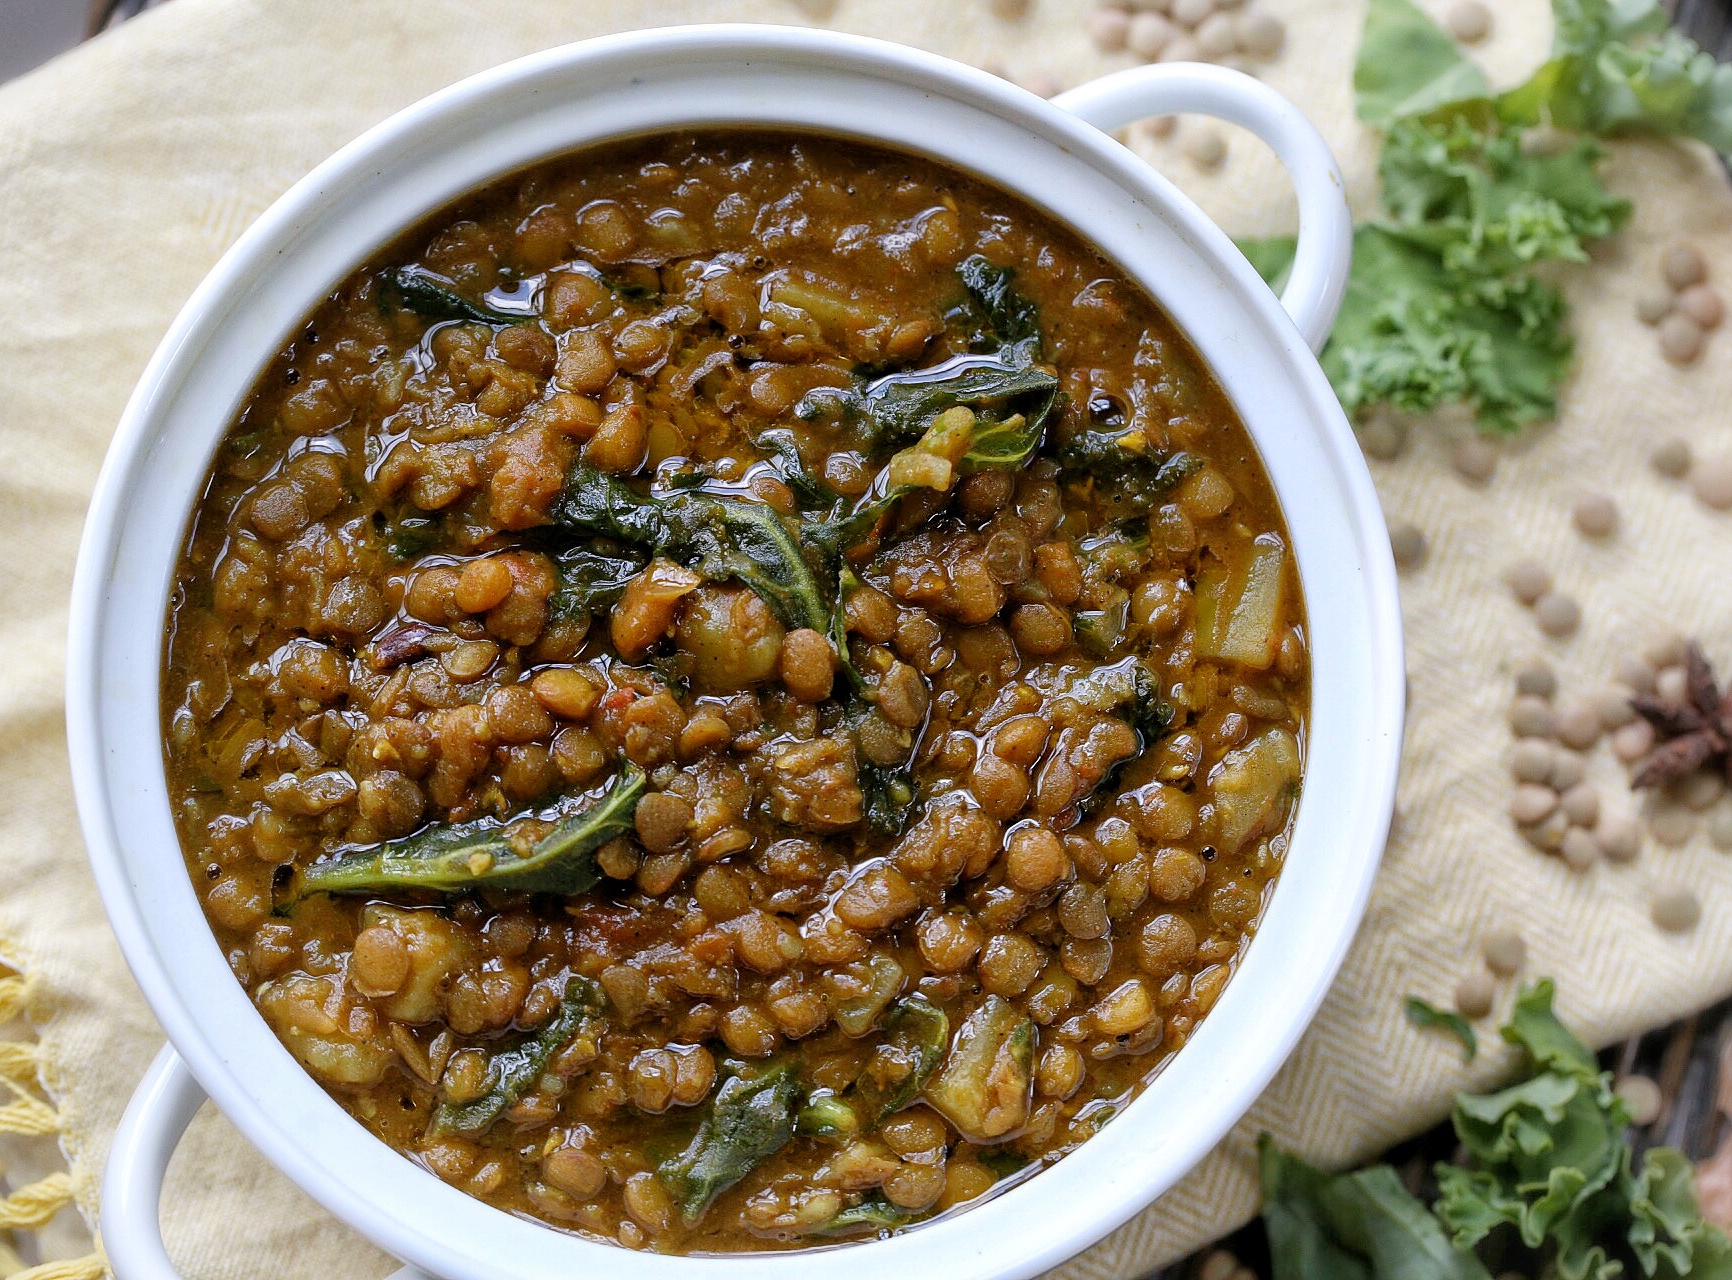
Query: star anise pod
[1694, 733]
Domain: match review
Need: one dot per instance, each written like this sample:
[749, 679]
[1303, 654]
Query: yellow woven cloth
[128, 167]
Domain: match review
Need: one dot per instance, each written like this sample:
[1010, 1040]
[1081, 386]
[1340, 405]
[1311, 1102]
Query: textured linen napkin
[128, 166]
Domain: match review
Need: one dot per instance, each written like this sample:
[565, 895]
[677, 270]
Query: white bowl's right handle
[161, 1108]
[1325, 251]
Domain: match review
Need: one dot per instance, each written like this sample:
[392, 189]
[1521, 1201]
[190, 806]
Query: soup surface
[735, 692]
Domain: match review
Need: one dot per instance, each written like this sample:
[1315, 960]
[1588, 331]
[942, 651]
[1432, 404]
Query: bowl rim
[989, 1238]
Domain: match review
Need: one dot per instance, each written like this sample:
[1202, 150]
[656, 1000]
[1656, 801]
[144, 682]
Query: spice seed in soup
[735, 692]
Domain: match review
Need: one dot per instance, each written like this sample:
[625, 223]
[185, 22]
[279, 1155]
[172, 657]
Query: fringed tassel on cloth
[33, 1205]
[91, 1267]
[29, 1116]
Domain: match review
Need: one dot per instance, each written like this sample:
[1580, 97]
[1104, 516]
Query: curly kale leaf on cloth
[1486, 203]
[1414, 334]
[1621, 68]
[1549, 1187]
[1352, 1226]
[1444, 303]
[1549, 1159]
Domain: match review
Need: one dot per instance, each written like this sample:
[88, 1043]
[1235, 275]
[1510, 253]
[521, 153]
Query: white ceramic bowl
[1053, 156]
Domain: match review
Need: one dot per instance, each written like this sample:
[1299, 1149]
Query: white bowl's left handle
[161, 1108]
[1325, 250]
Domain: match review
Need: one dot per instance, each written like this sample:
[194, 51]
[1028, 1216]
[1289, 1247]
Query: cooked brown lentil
[1034, 800]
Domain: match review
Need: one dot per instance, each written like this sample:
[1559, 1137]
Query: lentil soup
[735, 692]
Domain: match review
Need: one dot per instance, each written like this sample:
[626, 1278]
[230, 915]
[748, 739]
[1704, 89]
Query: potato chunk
[1253, 787]
[437, 950]
[329, 1035]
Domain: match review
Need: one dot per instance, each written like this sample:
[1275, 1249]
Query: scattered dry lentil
[1642, 1096]
[1217, 36]
[1655, 303]
[1536, 678]
[1147, 35]
[1529, 579]
[1558, 615]
[1675, 909]
[1532, 717]
[1703, 304]
[1109, 28]
[1548, 835]
[1532, 803]
[1635, 671]
[1700, 790]
[1671, 457]
[1475, 994]
[1613, 705]
[1474, 459]
[1595, 515]
[1505, 951]
[1577, 724]
[1408, 544]
[1545, 140]
[1620, 837]
[1581, 804]
[1468, 21]
[1711, 481]
[1671, 684]
[1159, 126]
[1720, 828]
[1680, 338]
[1204, 147]
[1181, 48]
[1683, 265]
[1568, 769]
[1041, 84]
[1261, 34]
[1671, 824]
[1632, 741]
[1531, 761]
[1579, 849]
[1383, 437]
[1665, 648]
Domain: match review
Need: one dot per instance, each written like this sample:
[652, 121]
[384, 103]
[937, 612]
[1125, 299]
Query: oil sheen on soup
[735, 692]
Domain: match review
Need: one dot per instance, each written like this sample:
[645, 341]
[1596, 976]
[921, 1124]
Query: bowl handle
[161, 1108]
[1325, 250]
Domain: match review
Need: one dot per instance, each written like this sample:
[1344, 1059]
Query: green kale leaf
[995, 315]
[1484, 204]
[431, 296]
[1429, 1017]
[1352, 1226]
[1415, 334]
[1621, 68]
[1547, 1165]
[1443, 304]
[1408, 66]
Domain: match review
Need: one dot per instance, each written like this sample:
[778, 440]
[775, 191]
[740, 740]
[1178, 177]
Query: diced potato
[311, 1017]
[837, 314]
[986, 1081]
[1253, 786]
[671, 233]
[1239, 605]
[437, 950]
[734, 639]
[860, 993]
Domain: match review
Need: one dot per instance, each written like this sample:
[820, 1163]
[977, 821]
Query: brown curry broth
[784, 202]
